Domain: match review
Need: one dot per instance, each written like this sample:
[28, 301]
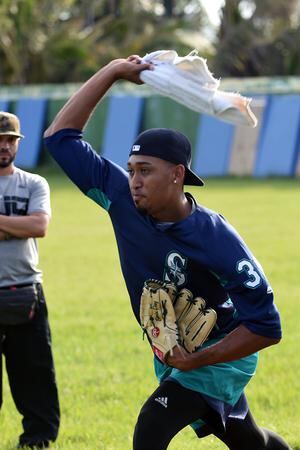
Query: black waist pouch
[18, 305]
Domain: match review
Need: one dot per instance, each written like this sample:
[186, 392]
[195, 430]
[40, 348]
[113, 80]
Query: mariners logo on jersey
[175, 269]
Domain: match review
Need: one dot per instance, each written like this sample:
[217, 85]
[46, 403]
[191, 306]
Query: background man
[162, 233]
[26, 344]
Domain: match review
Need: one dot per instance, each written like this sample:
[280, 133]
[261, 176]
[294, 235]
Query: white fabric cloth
[188, 81]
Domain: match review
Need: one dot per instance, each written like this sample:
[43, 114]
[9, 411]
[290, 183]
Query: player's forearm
[78, 109]
[239, 343]
[24, 226]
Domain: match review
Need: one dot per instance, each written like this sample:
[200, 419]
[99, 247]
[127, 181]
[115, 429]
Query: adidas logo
[162, 400]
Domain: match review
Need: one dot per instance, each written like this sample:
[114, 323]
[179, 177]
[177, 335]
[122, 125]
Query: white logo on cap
[136, 148]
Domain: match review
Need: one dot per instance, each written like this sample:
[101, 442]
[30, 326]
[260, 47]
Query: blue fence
[219, 149]
[32, 115]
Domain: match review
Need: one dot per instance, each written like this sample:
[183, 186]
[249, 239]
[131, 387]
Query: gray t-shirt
[21, 194]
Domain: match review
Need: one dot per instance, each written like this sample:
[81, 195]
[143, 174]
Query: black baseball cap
[169, 145]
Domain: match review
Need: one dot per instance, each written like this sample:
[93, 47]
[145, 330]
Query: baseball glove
[158, 318]
[195, 321]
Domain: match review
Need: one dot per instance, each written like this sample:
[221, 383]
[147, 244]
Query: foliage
[258, 38]
[59, 41]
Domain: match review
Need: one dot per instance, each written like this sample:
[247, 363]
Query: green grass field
[104, 368]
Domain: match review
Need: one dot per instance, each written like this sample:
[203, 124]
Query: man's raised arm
[80, 106]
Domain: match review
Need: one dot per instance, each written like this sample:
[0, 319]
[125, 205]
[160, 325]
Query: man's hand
[129, 69]
[181, 359]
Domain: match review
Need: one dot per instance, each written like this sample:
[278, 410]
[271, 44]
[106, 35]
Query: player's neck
[175, 212]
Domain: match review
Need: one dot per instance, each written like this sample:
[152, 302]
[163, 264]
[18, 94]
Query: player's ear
[179, 172]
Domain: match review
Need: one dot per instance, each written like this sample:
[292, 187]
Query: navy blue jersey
[202, 253]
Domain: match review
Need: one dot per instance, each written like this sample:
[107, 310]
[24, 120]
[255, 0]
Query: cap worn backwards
[9, 125]
[169, 145]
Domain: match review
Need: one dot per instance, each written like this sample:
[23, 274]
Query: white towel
[188, 81]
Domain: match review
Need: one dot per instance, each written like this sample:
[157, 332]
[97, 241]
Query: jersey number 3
[254, 277]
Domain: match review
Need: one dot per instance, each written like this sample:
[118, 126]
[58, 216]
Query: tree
[67, 40]
[258, 38]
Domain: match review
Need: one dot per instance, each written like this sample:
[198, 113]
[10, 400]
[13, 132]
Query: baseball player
[173, 249]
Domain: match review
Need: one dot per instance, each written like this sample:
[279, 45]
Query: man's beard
[6, 162]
